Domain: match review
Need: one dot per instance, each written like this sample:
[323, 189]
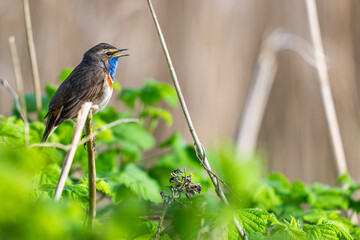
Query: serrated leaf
[102, 186]
[339, 228]
[328, 230]
[140, 183]
[10, 129]
[320, 232]
[314, 216]
[77, 192]
[288, 229]
[253, 220]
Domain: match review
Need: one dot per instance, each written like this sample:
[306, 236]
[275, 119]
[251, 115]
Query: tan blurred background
[214, 46]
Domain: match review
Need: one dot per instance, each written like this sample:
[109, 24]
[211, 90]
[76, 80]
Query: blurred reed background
[214, 46]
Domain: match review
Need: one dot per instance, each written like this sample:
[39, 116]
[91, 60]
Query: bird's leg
[94, 140]
[82, 139]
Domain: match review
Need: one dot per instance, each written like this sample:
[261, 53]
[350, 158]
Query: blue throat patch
[113, 63]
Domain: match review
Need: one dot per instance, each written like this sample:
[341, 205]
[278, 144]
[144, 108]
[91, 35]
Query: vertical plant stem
[326, 96]
[80, 122]
[325, 89]
[32, 53]
[6, 85]
[91, 170]
[161, 222]
[198, 145]
[18, 75]
[257, 98]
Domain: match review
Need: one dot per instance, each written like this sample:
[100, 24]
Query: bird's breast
[103, 98]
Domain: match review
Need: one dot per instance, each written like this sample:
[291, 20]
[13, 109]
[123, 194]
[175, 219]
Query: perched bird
[91, 81]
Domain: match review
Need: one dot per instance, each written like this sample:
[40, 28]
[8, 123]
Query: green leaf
[320, 232]
[64, 74]
[316, 216]
[50, 90]
[356, 233]
[154, 91]
[140, 183]
[253, 220]
[299, 192]
[50, 175]
[265, 197]
[288, 230]
[329, 229]
[155, 113]
[134, 133]
[280, 184]
[116, 86]
[77, 192]
[12, 130]
[102, 186]
[128, 96]
[326, 197]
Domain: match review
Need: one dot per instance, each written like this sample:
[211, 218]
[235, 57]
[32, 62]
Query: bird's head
[104, 55]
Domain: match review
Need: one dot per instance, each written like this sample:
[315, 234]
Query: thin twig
[158, 232]
[326, 95]
[32, 53]
[18, 75]
[110, 125]
[6, 85]
[91, 170]
[80, 122]
[219, 191]
[257, 98]
[67, 147]
[325, 89]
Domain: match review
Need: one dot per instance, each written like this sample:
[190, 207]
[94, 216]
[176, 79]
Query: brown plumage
[88, 82]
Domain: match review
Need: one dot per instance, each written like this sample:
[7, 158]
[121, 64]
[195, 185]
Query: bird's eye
[108, 53]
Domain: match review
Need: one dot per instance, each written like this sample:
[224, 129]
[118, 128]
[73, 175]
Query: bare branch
[80, 122]
[18, 107]
[325, 89]
[257, 98]
[326, 96]
[107, 126]
[67, 147]
[18, 75]
[91, 170]
[32, 53]
[198, 144]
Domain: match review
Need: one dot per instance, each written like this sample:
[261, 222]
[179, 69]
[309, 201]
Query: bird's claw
[94, 142]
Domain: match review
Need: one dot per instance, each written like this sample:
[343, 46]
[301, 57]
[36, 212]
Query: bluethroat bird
[91, 81]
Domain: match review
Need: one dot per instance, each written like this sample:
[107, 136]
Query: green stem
[161, 223]
[91, 171]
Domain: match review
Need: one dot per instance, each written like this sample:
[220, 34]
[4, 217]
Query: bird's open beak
[119, 54]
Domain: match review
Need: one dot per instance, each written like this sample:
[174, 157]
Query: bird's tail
[50, 128]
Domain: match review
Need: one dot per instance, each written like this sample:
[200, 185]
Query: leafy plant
[132, 167]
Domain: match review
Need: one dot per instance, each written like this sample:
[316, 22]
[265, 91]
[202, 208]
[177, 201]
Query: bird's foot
[84, 142]
[94, 142]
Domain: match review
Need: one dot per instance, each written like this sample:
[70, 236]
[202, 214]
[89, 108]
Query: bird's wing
[82, 85]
